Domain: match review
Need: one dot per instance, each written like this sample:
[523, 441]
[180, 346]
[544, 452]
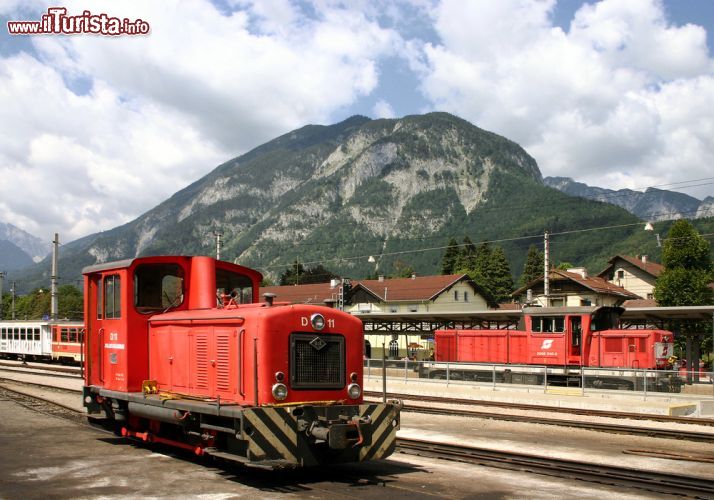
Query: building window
[650, 296]
[586, 302]
[393, 309]
[413, 308]
[456, 295]
[620, 274]
[466, 296]
[365, 307]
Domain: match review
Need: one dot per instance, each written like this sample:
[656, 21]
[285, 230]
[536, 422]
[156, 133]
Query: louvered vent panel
[223, 358]
[201, 362]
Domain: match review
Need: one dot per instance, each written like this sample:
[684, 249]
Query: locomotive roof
[550, 311]
[107, 265]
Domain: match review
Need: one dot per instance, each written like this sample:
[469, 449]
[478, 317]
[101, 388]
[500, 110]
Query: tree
[686, 277]
[292, 274]
[687, 268]
[467, 257]
[488, 267]
[299, 275]
[499, 275]
[402, 270]
[70, 302]
[451, 255]
[533, 267]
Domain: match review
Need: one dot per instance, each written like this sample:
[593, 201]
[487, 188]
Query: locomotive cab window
[112, 297]
[233, 287]
[548, 324]
[158, 287]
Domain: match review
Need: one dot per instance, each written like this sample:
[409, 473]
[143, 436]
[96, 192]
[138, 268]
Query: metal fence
[544, 377]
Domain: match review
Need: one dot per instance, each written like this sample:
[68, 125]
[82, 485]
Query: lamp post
[546, 258]
[12, 291]
[218, 235]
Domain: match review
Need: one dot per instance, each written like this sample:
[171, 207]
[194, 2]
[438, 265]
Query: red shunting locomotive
[180, 351]
[567, 340]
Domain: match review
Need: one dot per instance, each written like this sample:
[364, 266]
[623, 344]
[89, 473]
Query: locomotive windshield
[238, 287]
[158, 287]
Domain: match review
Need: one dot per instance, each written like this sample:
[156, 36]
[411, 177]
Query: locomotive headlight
[280, 391]
[354, 391]
[317, 321]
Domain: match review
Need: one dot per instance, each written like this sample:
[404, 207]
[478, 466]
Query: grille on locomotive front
[317, 361]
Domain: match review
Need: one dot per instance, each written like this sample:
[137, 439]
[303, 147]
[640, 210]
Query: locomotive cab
[124, 296]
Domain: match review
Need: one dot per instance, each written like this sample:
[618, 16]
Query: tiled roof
[594, 283]
[420, 288]
[653, 268]
[315, 293]
[635, 303]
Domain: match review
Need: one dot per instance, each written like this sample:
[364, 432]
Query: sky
[96, 129]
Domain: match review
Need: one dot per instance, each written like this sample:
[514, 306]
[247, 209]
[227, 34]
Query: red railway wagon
[570, 338]
[67, 339]
[180, 351]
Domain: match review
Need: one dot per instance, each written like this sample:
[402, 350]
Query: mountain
[19, 248]
[337, 194]
[653, 204]
[12, 257]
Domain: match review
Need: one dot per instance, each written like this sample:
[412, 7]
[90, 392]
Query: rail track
[654, 432]
[657, 482]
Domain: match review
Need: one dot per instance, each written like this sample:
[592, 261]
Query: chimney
[381, 277]
[334, 282]
[413, 276]
[579, 270]
[644, 259]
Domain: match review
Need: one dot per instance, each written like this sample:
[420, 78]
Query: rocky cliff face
[21, 248]
[653, 204]
[360, 177]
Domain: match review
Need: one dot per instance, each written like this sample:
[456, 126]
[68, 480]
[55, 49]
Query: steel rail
[38, 371]
[658, 482]
[42, 367]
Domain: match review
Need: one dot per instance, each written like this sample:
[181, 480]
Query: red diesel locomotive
[180, 351]
[566, 339]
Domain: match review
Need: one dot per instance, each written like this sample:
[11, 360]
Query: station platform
[695, 402]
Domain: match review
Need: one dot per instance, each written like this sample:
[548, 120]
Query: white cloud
[166, 108]
[100, 129]
[382, 109]
[617, 101]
